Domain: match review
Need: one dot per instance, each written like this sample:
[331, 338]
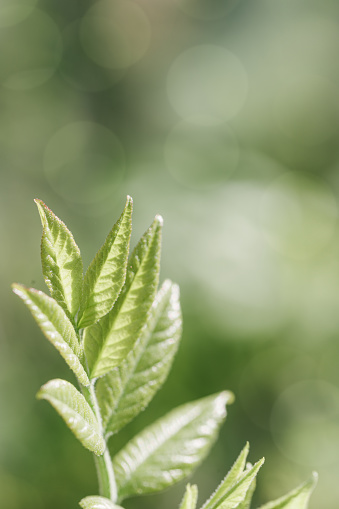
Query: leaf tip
[227, 397]
[158, 220]
[129, 200]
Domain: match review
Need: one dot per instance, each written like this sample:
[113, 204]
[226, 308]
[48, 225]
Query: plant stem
[103, 463]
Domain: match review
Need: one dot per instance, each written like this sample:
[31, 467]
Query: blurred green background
[223, 116]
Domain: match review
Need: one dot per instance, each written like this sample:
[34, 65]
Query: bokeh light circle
[306, 109]
[15, 11]
[201, 156]
[84, 162]
[299, 215]
[30, 52]
[86, 75]
[115, 35]
[305, 423]
[207, 9]
[207, 84]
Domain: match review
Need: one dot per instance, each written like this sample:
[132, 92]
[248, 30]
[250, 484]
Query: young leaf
[56, 326]
[246, 504]
[237, 493]
[296, 499]
[231, 478]
[76, 413]
[98, 503]
[171, 448]
[126, 390]
[108, 342]
[107, 272]
[190, 498]
[61, 261]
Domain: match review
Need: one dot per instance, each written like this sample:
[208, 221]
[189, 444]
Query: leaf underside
[61, 261]
[107, 272]
[296, 499]
[190, 498]
[126, 390]
[108, 342]
[56, 326]
[98, 503]
[75, 411]
[171, 448]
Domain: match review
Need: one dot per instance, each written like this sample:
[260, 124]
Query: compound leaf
[237, 493]
[171, 448]
[61, 261]
[56, 326]
[98, 503]
[107, 272]
[296, 499]
[108, 342]
[76, 413]
[190, 498]
[231, 478]
[126, 390]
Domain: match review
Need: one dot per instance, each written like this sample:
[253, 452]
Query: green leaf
[190, 498]
[98, 503]
[127, 389]
[236, 494]
[108, 342]
[246, 504]
[171, 448]
[61, 261]
[231, 478]
[107, 272]
[296, 499]
[76, 413]
[56, 326]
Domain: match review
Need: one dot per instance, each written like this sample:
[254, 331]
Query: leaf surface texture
[108, 342]
[61, 261]
[127, 389]
[107, 272]
[56, 326]
[76, 413]
[171, 448]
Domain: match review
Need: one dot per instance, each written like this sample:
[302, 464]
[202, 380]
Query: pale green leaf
[296, 499]
[61, 261]
[98, 503]
[108, 342]
[76, 413]
[107, 272]
[56, 326]
[231, 478]
[246, 504]
[236, 494]
[126, 390]
[190, 498]
[171, 448]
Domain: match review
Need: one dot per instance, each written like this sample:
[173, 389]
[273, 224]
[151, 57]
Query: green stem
[103, 463]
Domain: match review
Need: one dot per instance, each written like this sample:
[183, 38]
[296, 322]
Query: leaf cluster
[119, 334]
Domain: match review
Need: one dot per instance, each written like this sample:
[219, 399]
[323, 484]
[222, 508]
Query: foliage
[119, 336]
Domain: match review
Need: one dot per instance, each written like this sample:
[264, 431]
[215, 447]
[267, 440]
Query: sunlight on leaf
[76, 413]
[171, 448]
[190, 498]
[108, 342]
[98, 503]
[61, 261]
[107, 272]
[56, 326]
[126, 391]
